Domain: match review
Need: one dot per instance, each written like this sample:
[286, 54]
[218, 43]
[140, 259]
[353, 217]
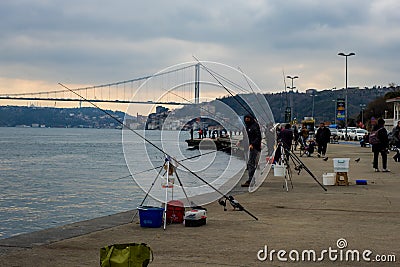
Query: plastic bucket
[328, 179]
[150, 216]
[279, 170]
[175, 211]
[341, 164]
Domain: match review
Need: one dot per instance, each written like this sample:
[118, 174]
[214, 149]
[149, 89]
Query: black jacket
[254, 134]
[383, 138]
[323, 135]
[286, 136]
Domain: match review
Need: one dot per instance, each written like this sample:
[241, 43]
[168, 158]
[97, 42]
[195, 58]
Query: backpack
[373, 137]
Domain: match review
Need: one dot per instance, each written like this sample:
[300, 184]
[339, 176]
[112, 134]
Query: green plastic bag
[126, 255]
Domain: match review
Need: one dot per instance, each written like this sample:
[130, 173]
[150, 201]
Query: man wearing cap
[254, 148]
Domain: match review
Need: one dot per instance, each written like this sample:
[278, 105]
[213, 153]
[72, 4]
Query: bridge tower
[197, 83]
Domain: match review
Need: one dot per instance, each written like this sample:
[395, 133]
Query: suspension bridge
[176, 86]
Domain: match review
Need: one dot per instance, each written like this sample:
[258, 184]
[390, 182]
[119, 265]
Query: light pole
[312, 113]
[334, 110]
[346, 113]
[292, 78]
[362, 106]
[291, 95]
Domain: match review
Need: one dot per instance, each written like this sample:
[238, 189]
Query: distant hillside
[302, 104]
[324, 102]
[11, 116]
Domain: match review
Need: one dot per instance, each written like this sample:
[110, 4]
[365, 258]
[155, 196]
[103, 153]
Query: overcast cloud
[90, 42]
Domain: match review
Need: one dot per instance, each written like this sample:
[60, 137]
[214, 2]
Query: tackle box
[195, 217]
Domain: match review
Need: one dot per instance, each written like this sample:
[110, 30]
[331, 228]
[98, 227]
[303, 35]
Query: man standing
[322, 137]
[396, 141]
[286, 137]
[254, 140]
[396, 135]
[381, 145]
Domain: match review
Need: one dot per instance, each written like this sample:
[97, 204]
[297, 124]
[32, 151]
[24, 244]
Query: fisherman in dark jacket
[323, 136]
[254, 146]
[285, 138]
[382, 147]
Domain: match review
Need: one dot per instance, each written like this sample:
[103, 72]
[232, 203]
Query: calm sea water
[52, 177]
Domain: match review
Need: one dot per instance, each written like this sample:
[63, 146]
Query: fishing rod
[251, 88]
[226, 89]
[229, 198]
[193, 157]
[215, 115]
[284, 84]
[223, 86]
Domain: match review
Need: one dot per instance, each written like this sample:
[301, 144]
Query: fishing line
[193, 157]
[258, 100]
[284, 84]
[230, 198]
[213, 114]
[226, 89]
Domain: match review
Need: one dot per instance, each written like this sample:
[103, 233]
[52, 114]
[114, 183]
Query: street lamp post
[334, 110]
[291, 95]
[362, 106]
[346, 113]
[312, 112]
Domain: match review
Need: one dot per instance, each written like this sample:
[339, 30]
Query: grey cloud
[98, 40]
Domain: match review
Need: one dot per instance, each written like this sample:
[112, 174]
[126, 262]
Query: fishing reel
[298, 168]
[234, 203]
[222, 202]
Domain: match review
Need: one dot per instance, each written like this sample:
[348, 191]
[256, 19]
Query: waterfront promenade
[366, 217]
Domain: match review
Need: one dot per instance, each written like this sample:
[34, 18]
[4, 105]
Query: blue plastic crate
[150, 216]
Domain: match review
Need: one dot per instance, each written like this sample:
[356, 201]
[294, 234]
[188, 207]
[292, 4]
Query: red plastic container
[175, 211]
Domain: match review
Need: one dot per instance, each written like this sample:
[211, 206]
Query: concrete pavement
[344, 219]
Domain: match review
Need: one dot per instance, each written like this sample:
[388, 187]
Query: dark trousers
[252, 163]
[384, 159]
[322, 148]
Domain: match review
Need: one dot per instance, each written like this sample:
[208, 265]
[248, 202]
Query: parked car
[334, 131]
[357, 134]
[341, 134]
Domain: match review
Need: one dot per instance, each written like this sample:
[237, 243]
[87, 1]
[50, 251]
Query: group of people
[322, 138]
[286, 136]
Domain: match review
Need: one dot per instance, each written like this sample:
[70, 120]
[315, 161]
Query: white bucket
[328, 179]
[279, 170]
[341, 164]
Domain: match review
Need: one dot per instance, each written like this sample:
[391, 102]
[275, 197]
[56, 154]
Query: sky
[89, 42]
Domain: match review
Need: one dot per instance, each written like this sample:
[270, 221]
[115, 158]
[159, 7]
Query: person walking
[323, 136]
[380, 145]
[396, 141]
[396, 135]
[254, 146]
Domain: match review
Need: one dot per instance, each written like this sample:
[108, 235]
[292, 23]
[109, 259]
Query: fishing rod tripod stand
[170, 167]
[288, 155]
[283, 163]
